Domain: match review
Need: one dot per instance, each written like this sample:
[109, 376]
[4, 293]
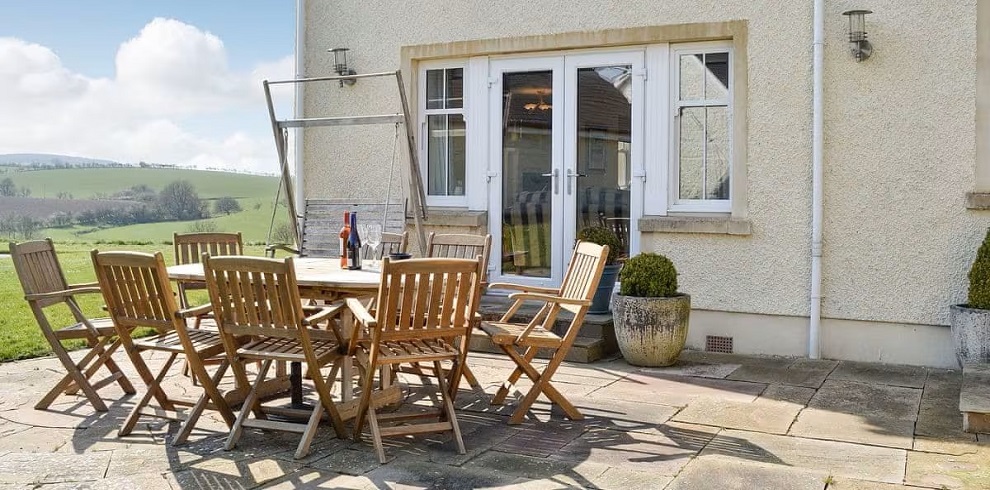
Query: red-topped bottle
[345, 232]
[353, 246]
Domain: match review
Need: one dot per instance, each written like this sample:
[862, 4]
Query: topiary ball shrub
[979, 277]
[602, 236]
[648, 275]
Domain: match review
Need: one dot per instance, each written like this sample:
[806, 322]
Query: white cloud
[169, 74]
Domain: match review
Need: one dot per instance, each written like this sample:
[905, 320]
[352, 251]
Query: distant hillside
[49, 160]
[97, 183]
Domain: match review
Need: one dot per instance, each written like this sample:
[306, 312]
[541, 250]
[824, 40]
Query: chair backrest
[427, 298]
[137, 291]
[189, 247]
[393, 243]
[255, 296]
[461, 246]
[322, 221]
[583, 273]
[620, 226]
[38, 269]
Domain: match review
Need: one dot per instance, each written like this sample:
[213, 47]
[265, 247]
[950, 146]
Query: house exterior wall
[900, 145]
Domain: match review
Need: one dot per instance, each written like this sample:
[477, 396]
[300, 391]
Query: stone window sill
[695, 224]
[453, 217]
[978, 200]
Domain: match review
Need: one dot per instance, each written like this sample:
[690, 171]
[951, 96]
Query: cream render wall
[900, 141]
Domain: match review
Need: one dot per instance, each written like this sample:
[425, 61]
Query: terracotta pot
[651, 331]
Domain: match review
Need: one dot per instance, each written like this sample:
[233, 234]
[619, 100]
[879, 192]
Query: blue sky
[182, 72]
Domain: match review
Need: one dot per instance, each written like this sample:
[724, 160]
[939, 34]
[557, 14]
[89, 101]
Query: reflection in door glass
[604, 137]
[527, 157]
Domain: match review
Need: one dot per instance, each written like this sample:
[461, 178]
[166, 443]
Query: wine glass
[372, 235]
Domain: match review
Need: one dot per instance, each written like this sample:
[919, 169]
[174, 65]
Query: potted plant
[603, 236]
[970, 323]
[651, 317]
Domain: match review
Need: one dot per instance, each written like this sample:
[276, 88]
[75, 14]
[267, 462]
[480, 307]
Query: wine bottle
[353, 246]
[345, 232]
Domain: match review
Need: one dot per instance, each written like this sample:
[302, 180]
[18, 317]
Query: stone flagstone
[711, 472]
[834, 458]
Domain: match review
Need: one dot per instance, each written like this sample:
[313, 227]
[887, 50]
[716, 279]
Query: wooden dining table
[320, 279]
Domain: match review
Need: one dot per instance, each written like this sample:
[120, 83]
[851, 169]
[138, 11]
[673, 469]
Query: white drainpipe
[817, 148]
[299, 101]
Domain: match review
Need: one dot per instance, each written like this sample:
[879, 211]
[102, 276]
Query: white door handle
[553, 179]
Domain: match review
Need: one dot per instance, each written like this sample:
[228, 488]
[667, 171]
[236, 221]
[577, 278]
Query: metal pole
[415, 183]
[284, 164]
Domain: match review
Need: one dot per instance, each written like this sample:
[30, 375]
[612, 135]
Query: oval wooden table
[319, 279]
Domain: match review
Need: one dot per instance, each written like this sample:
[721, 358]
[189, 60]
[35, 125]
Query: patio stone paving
[711, 421]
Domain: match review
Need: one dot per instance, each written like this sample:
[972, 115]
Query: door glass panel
[527, 158]
[604, 136]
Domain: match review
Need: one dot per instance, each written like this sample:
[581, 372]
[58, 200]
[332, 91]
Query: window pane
[434, 89]
[437, 155]
[717, 154]
[456, 153]
[692, 80]
[455, 88]
[716, 76]
[691, 152]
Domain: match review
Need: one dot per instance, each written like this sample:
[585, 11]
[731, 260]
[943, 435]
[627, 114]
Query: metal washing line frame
[280, 129]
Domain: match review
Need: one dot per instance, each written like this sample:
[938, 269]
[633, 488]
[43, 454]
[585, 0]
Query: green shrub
[602, 236]
[648, 275]
[979, 277]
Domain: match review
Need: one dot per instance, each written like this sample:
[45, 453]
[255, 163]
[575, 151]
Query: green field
[20, 336]
[255, 193]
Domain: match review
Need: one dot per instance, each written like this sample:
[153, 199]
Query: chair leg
[154, 390]
[448, 409]
[74, 374]
[503, 391]
[250, 404]
[210, 393]
[326, 399]
[366, 388]
[541, 384]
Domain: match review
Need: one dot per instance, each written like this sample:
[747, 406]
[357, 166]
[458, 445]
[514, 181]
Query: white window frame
[697, 205]
[433, 200]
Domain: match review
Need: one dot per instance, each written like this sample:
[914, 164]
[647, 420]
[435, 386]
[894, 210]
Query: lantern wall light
[340, 65]
[859, 46]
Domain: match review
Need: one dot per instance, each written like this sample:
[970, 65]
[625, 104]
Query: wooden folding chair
[190, 247]
[260, 297]
[574, 296]
[393, 243]
[422, 305]
[44, 285]
[463, 246]
[138, 294]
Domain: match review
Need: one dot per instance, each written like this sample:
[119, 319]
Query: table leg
[295, 384]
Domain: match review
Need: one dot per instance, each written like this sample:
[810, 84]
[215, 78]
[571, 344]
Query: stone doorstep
[595, 340]
[974, 398]
[584, 350]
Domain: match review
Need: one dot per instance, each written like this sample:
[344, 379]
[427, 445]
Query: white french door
[566, 146]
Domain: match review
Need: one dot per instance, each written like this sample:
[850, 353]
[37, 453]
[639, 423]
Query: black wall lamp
[859, 46]
[340, 65]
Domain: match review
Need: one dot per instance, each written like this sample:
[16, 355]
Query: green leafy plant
[648, 275]
[979, 277]
[602, 236]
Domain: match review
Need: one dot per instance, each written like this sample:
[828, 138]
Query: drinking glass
[372, 234]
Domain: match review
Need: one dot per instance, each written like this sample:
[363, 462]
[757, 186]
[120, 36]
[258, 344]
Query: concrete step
[595, 340]
[974, 398]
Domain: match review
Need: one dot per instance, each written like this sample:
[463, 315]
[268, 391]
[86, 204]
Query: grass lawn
[20, 336]
[252, 223]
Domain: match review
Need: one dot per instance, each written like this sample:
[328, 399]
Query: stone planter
[651, 331]
[600, 302]
[970, 333]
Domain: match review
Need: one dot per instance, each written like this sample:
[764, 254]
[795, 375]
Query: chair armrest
[194, 311]
[523, 288]
[324, 314]
[549, 299]
[361, 313]
[84, 285]
[66, 293]
[270, 250]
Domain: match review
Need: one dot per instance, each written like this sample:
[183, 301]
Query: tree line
[177, 201]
